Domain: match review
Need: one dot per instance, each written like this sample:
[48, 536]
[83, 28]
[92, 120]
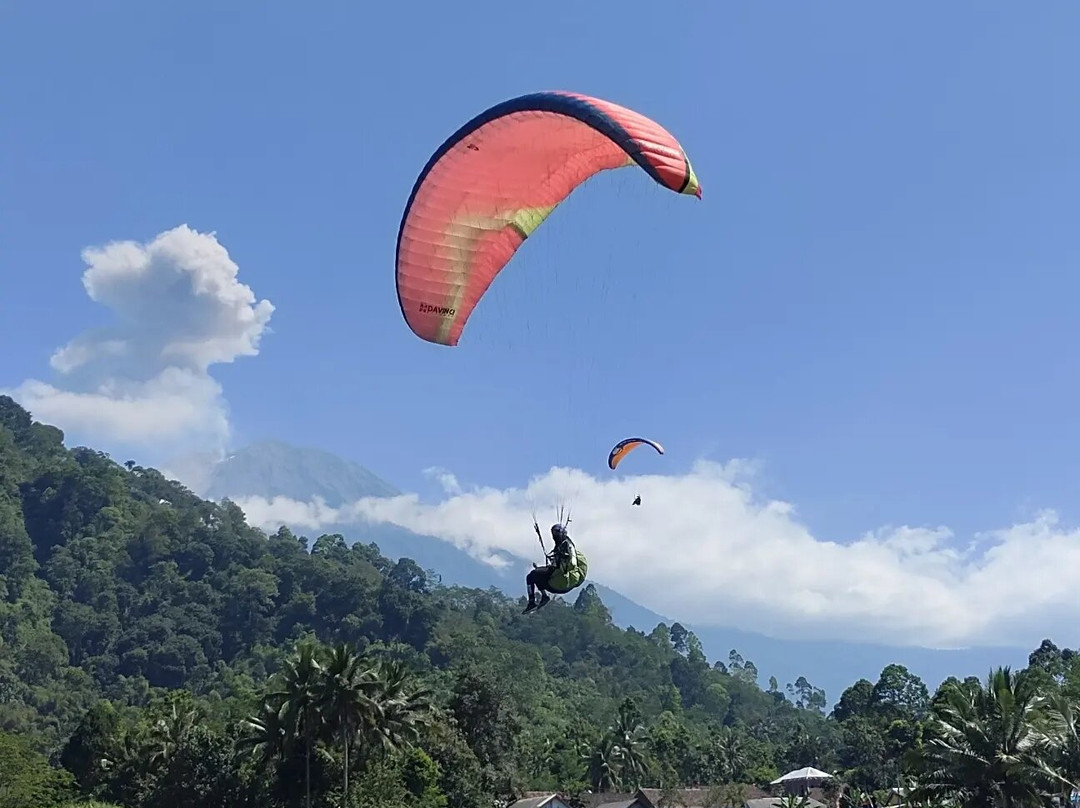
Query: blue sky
[874, 300]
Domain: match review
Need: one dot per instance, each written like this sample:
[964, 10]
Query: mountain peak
[273, 468]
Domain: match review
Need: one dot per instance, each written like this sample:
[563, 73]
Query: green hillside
[273, 468]
[155, 650]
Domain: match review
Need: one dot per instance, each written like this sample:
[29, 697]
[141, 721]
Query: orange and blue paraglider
[625, 447]
[493, 182]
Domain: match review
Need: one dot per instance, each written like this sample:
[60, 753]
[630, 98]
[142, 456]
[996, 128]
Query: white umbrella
[806, 773]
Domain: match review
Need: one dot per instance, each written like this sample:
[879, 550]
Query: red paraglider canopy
[492, 183]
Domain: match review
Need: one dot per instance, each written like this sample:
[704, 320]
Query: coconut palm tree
[601, 760]
[538, 753]
[167, 733]
[299, 697]
[1063, 715]
[987, 746]
[731, 754]
[404, 707]
[347, 701]
[264, 735]
[630, 740]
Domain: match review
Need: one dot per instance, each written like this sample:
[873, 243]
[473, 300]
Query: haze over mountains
[271, 469]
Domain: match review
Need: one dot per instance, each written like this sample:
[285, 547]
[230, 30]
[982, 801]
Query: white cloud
[703, 547]
[446, 480]
[143, 381]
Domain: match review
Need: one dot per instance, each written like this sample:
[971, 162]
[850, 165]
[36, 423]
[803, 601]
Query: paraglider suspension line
[564, 518]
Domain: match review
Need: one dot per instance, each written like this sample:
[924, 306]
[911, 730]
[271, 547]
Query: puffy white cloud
[704, 547]
[143, 381]
[446, 480]
[176, 404]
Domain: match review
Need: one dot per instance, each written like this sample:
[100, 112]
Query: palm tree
[1063, 716]
[124, 763]
[299, 698]
[404, 707]
[731, 753]
[346, 700]
[600, 759]
[336, 695]
[539, 754]
[264, 735]
[987, 747]
[630, 739]
[168, 732]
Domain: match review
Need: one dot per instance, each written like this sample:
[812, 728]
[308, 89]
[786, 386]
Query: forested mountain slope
[270, 469]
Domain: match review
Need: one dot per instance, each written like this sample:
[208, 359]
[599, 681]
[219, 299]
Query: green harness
[567, 577]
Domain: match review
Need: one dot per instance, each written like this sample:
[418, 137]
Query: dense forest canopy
[156, 650]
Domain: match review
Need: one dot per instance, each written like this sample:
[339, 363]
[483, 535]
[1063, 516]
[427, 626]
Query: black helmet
[558, 531]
